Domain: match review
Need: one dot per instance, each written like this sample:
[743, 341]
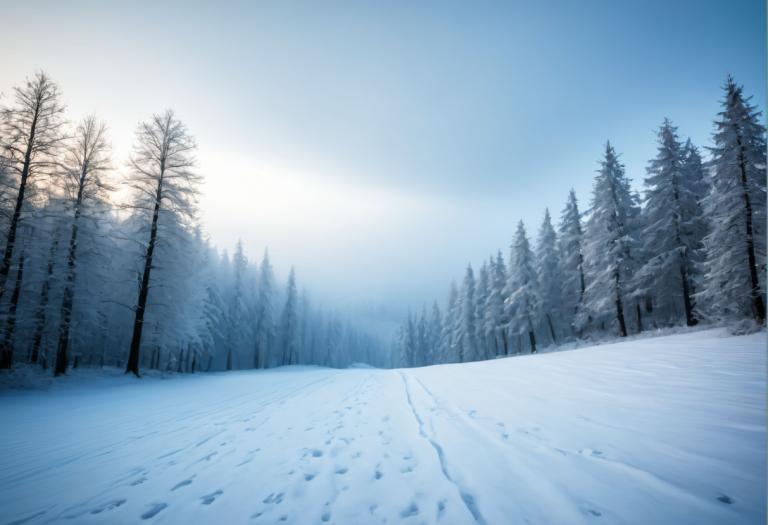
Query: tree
[289, 322]
[608, 242]
[87, 163]
[548, 270]
[494, 323]
[570, 242]
[673, 228]
[467, 340]
[165, 187]
[264, 324]
[523, 299]
[735, 265]
[32, 135]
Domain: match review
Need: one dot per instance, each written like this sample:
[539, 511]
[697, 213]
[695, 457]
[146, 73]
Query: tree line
[691, 249]
[89, 279]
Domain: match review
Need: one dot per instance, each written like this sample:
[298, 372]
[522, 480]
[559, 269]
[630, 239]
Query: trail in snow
[667, 430]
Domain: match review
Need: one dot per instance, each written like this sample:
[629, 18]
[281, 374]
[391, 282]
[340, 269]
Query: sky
[380, 147]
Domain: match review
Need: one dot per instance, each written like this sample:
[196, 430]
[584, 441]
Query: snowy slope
[665, 430]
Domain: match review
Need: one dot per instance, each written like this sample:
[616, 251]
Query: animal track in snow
[154, 510]
[210, 498]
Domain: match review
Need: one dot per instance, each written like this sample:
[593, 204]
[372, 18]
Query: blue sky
[381, 146]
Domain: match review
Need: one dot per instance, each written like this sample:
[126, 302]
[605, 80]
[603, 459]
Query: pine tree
[494, 322]
[264, 324]
[734, 270]
[468, 338]
[548, 270]
[608, 243]
[673, 228]
[570, 242]
[523, 298]
[289, 322]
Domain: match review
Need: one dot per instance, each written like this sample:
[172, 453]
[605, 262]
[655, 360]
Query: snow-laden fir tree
[570, 240]
[289, 322]
[481, 297]
[494, 322]
[549, 275]
[435, 332]
[608, 245]
[673, 228]
[734, 269]
[467, 337]
[523, 301]
[264, 331]
[451, 326]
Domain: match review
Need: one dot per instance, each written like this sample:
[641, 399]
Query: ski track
[668, 430]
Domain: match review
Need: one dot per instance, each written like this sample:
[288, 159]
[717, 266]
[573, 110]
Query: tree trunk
[758, 307]
[639, 316]
[532, 339]
[551, 329]
[6, 352]
[690, 319]
[141, 306]
[620, 309]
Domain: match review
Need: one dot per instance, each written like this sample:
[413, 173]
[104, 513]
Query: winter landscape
[229, 243]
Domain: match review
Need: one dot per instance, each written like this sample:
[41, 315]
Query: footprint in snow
[341, 470]
[180, 484]
[274, 498]
[309, 477]
[153, 511]
[412, 510]
[109, 505]
[326, 516]
[378, 475]
[723, 498]
[210, 498]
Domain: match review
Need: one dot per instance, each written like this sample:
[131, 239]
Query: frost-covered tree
[735, 265]
[481, 298]
[32, 134]
[467, 336]
[87, 189]
[289, 322]
[451, 327]
[571, 254]
[523, 298]
[264, 330]
[673, 228]
[165, 195]
[609, 242]
[549, 275]
[494, 322]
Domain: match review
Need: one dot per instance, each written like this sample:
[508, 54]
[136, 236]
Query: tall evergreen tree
[523, 297]
[289, 322]
[571, 253]
[673, 228]
[734, 270]
[548, 270]
[467, 341]
[608, 243]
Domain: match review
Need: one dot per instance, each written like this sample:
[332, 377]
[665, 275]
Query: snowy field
[663, 430]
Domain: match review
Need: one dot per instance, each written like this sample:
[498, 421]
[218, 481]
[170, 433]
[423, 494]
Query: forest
[690, 250]
[101, 269]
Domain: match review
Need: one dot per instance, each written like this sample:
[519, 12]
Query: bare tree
[166, 190]
[87, 163]
[32, 133]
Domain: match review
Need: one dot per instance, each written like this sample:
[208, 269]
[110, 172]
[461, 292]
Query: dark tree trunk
[690, 319]
[229, 359]
[210, 363]
[758, 307]
[639, 316]
[141, 306]
[194, 362]
[505, 341]
[620, 309]
[6, 352]
[551, 329]
[532, 338]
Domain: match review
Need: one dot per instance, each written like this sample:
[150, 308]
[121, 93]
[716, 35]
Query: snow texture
[657, 430]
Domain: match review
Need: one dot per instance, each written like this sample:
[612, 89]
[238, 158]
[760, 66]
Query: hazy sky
[381, 146]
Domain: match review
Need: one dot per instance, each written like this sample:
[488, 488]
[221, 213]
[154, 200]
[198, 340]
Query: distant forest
[87, 279]
[692, 248]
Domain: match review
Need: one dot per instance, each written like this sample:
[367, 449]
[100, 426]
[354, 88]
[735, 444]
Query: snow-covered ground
[663, 430]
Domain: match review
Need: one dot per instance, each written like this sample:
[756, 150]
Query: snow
[659, 430]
